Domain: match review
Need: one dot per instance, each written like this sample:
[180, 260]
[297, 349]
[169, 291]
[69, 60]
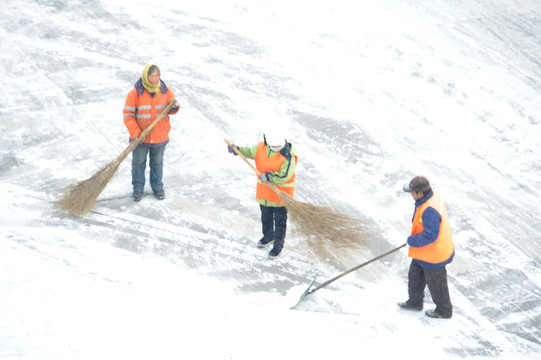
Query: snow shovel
[79, 199]
[309, 290]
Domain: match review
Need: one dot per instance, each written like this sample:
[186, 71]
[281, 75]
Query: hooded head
[150, 73]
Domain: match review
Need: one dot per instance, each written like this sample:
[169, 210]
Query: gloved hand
[408, 241]
[264, 177]
[174, 107]
[140, 132]
[231, 151]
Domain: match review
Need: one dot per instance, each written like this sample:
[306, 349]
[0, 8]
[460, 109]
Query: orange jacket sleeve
[171, 96]
[130, 107]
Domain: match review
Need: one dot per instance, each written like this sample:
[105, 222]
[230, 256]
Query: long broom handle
[355, 268]
[269, 184]
[132, 145]
[144, 133]
[165, 112]
[242, 156]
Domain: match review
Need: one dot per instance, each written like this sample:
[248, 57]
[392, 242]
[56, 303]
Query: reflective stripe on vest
[264, 164]
[441, 249]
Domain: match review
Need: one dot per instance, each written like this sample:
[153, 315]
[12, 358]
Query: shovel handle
[354, 268]
[242, 156]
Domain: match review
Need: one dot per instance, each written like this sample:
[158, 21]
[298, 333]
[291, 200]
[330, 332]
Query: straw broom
[79, 199]
[317, 222]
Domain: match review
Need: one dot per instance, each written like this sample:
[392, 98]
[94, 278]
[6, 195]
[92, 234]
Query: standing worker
[431, 249]
[276, 164]
[144, 103]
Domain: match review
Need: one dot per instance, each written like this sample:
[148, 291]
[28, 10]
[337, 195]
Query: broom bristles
[323, 225]
[317, 223]
[79, 199]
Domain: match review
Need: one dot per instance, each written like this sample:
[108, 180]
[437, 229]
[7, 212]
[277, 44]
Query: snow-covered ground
[374, 93]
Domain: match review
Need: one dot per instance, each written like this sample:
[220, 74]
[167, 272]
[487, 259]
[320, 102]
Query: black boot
[409, 306]
[436, 314]
[275, 252]
[265, 241]
[137, 195]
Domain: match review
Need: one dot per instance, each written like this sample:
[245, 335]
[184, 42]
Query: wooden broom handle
[165, 112]
[242, 156]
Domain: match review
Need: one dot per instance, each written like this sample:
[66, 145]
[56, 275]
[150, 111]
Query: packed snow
[371, 93]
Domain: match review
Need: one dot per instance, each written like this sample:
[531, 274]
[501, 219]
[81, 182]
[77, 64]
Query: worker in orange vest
[431, 249]
[276, 162]
[144, 103]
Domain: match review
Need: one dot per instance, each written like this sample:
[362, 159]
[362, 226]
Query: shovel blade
[306, 292]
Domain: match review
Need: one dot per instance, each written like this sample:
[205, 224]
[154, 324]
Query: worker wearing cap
[431, 249]
[276, 161]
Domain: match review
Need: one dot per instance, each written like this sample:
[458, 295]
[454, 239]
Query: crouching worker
[276, 162]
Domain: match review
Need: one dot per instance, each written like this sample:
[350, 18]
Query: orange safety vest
[441, 249]
[264, 164]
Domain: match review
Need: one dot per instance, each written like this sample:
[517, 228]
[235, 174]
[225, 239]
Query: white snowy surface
[374, 93]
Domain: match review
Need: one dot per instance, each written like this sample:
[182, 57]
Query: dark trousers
[436, 280]
[274, 224]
